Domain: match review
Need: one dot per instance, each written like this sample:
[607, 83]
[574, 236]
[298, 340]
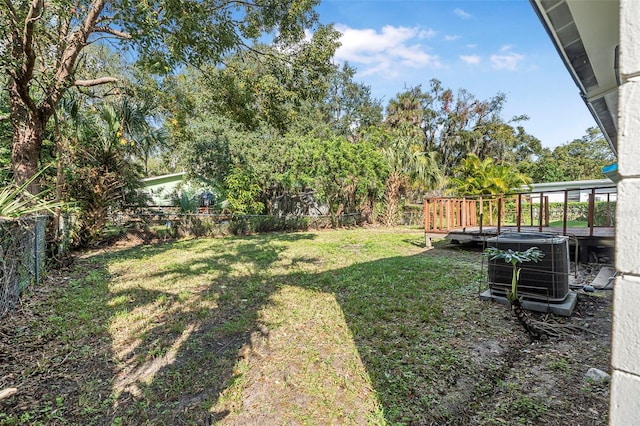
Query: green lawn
[553, 224]
[337, 327]
[570, 224]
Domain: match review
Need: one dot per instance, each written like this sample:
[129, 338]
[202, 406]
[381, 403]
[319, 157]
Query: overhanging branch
[95, 82]
[112, 31]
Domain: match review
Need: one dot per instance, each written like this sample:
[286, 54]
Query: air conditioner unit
[546, 281]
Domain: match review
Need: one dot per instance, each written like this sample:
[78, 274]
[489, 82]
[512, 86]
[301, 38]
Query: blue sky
[482, 46]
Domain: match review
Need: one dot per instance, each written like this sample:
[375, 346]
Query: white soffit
[585, 34]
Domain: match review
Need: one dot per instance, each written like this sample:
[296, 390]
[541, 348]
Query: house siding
[625, 351]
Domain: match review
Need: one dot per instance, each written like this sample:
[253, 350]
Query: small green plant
[560, 365]
[514, 258]
[16, 201]
[532, 254]
[187, 201]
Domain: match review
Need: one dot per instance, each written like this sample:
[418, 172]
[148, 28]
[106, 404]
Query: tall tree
[584, 158]
[349, 106]
[410, 168]
[579, 159]
[43, 41]
[270, 87]
[454, 124]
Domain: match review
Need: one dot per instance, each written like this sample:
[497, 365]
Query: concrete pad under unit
[564, 309]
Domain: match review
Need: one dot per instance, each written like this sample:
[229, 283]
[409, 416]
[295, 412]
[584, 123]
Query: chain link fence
[22, 257]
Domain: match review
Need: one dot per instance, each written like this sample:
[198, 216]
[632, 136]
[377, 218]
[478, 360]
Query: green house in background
[161, 188]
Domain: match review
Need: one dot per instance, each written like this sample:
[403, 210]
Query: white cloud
[461, 13]
[428, 33]
[472, 46]
[470, 59]
[451, 37]
[387, 51]
[508, 61]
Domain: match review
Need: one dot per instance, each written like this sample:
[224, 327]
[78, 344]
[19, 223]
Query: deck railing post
[541, 212]
[491, 211]
[464, 213]
[546, 210]
[474, 212]
[564, 212]
[481, 214]
[454, 213]
[519, 211]
[592, 204]
[447, 213]
[427, 215]
[499, 212]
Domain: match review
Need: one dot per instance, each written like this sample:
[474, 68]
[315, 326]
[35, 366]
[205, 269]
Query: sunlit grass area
[300, 326]
[358, 326]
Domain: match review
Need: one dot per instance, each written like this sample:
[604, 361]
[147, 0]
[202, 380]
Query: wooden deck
[475, 234]
[476, 219]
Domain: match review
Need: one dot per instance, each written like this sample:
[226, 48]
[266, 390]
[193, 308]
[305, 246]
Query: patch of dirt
[543, 382]
[56, 376]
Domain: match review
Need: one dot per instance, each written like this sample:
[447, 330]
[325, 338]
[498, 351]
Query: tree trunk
[27, 142]
[28, 132]
[391, 197]
[534, 331]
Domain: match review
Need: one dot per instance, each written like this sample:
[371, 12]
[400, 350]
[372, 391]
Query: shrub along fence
[171, 224]
[22, 257]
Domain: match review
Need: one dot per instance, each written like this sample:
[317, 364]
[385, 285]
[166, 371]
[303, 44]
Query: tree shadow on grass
[174, 366]
[216, 355]
[241, 331]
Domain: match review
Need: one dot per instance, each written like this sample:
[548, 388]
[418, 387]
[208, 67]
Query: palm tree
[104, 166]
[483, 177]
[408, 165]
[407, 108]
